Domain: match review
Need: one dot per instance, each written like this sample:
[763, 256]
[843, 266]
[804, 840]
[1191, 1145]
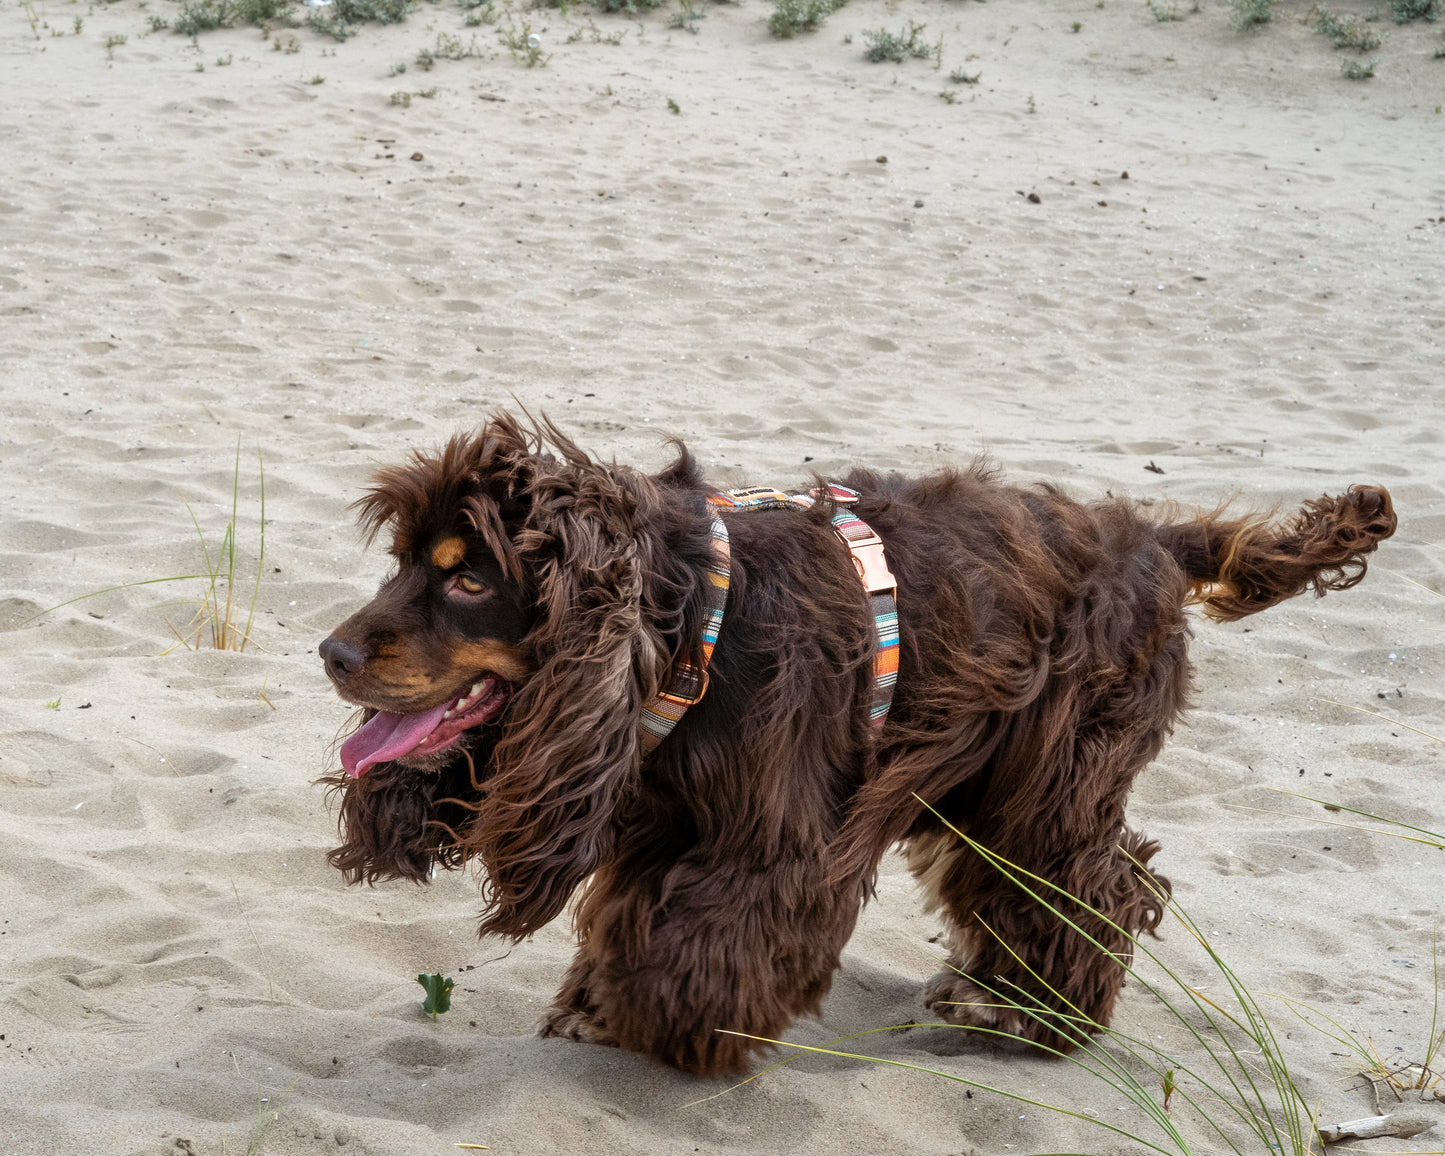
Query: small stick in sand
[1402, 1124]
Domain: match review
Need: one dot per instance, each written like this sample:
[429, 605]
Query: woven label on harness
[751, 498]
[687, 684]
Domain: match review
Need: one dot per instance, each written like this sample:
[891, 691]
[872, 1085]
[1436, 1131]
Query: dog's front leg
[688, 978]
[573, 1015]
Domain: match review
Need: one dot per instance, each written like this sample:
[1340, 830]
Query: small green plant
[687, 16]
[112, 42]
[590, 32]
[438, 993]
[1248, 13]
[790, 17]
[905, 44]
[948, 96]
[426, 59]
[258, 11]
[1031, 107]
[200, 67]
[78, 25]
[1164, 13]
[397, 69]
[479, 12]
[53, 704]
[342, 16]
[329, 25]
[1348, 31]
[266, 1118]
[1404, 11]
[672, 107]
[451, 48]
[223, 61]
[403, 99]
[1357, 69]
[1076, 26]
[317, 79]
[524, 44]
[959, 76]
[372, 11]
[630, 7]
[197, 16]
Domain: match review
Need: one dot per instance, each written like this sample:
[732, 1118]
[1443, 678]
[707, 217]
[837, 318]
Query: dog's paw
[958, 1000]
[570, 1024]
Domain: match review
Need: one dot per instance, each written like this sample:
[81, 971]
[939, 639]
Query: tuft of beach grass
[217, 612]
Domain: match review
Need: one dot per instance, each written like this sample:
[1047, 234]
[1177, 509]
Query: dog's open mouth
[388, 736]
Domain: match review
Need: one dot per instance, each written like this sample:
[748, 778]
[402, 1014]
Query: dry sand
[265, 249]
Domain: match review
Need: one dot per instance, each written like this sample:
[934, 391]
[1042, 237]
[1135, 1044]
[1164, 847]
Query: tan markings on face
[406, 676]
[448, 552]
[469, 658]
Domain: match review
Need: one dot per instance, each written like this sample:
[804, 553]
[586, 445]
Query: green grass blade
[1433, 838]
[1383, 718]
[957, 1080]
[260, 553]
[1253, 1106]
[108, 590]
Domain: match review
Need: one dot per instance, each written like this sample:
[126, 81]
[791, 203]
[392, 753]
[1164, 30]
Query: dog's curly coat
[1042, 665]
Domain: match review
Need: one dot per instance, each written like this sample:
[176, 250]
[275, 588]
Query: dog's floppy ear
[570, 750]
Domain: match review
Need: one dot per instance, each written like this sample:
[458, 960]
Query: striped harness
[687, 684]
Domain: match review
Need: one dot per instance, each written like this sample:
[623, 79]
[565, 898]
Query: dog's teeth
[446, 714]
[476, 689]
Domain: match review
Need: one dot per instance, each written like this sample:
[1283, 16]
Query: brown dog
[541, 597]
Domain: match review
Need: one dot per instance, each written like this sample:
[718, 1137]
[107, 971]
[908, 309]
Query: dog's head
[443, 646]
[503, 666]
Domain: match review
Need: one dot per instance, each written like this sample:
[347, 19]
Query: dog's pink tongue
[387, 736]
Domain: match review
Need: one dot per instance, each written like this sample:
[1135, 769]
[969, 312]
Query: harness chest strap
[687, 684]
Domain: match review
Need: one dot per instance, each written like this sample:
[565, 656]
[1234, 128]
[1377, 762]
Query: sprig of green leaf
[438, 993]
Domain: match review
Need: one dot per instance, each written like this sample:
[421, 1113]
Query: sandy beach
[1158, 258]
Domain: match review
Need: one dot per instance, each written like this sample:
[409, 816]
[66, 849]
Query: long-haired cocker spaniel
[541, 597]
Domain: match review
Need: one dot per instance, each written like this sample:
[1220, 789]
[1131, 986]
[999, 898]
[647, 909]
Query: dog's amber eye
[469, 584]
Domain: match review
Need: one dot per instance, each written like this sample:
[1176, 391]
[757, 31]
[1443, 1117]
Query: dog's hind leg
[1014, 965]
[1018, 969]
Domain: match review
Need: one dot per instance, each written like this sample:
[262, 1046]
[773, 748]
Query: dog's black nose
[341, 658]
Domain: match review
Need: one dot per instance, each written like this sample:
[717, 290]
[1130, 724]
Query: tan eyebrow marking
[448, 552]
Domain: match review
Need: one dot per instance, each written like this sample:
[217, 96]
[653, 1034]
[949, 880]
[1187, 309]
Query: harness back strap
[869, 560]
[871, 563]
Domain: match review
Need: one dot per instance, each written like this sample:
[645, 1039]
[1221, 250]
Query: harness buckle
[872, 564]
[687, 686]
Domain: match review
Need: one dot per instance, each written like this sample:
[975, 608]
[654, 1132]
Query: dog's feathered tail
[1238, 567]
